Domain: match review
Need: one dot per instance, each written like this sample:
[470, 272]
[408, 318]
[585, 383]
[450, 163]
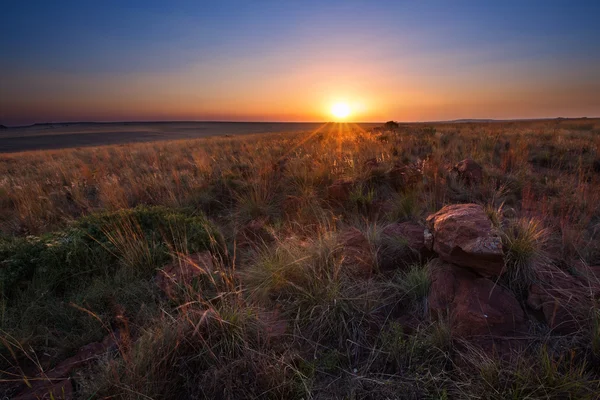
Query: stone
[469, 171]
[357, 253]
[403, 244]
[464, 235]
[56, 383]
[564, 300]
[406, 176]
[475, 307]
[339, 191]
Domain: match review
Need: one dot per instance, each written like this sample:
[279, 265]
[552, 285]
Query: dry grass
[284, 314]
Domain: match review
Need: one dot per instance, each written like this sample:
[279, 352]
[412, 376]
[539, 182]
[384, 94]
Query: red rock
[564, 299]
[56, 384]
[181, 273]
[475, 307]
[393, 254]
[340, 190]
[469, 172]
[464, 235]
[413, 233]
[406, 176]
[357, 253]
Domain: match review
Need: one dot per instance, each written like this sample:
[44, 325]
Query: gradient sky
[268, 60]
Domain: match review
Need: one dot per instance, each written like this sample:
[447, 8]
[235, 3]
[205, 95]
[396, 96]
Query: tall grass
[302, 311]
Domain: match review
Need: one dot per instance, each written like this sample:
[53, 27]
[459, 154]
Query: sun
[340, 110]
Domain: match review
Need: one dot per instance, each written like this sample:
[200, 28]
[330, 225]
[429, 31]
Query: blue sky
[280, 60]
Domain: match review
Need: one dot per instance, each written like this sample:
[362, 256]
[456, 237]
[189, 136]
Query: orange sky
[291, 63]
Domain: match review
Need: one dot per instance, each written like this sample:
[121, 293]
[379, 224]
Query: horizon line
[457, 120]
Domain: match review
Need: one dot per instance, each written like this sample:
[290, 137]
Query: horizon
[458, 120]
[271, 62]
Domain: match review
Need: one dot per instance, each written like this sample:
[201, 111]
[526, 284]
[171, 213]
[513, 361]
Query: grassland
[286, 308]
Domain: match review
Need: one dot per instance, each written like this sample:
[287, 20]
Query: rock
[469, 172]
[182, 272]
[56, 383]
[464, 235]
[340, 190]
[474, 306]
[564, 300]
[406, 176]
[403, 243]
[357, 252]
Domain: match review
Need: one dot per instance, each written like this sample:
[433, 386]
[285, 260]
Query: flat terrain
[419, 261]
[58, 136]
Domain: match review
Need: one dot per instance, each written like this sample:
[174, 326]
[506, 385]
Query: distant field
[59, 136]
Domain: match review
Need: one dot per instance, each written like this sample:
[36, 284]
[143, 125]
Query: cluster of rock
[464, 288]
[465, 281]
[467, 263]
[406, 176]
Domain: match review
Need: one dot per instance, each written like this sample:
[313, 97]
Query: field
[295, 264]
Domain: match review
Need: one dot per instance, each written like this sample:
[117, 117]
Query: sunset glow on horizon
[268, 61]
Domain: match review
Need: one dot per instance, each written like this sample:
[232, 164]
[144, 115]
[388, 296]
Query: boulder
[181, 273]
[339, 191]
[464, 235]
[564, 300]
[406, 176]
[474, 306]
[403, 243]
[469, 172]
[357, 253]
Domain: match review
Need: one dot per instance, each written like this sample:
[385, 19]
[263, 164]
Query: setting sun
[340, 110]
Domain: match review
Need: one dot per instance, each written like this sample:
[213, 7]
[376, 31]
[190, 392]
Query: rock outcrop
[469, 171]
[474, 306]
[463, 234]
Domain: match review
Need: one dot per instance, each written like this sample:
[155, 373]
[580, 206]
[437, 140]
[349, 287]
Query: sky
[269, 60]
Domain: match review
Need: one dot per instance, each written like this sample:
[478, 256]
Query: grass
[524, 241]
[308, 297]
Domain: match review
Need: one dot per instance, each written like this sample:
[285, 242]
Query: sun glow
[340, 110]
